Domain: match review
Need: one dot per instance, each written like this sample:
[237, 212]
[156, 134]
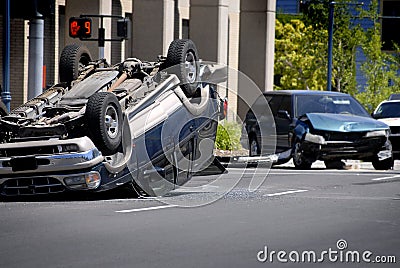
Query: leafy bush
[228, 136]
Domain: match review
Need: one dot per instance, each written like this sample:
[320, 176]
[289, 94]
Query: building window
[390, 22]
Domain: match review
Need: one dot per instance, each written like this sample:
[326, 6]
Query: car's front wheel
[299, 160]
[104, 119]
[384, 164]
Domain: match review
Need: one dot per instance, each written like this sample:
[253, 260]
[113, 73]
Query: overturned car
[146, 125]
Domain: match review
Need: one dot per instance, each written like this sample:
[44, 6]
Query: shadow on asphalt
[119, 193]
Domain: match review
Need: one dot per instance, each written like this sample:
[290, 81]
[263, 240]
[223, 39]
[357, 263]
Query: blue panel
[287, 6]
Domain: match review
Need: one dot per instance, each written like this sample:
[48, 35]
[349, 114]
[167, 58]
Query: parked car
[394, 96]
[389, 113]
[134, 123]
[317, 125]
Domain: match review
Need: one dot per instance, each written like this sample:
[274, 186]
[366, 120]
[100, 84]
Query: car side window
[275, 103]
[286, 104]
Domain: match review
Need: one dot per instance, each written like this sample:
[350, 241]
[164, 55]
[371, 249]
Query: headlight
[377, 133]
[89, 180]
[314, 138]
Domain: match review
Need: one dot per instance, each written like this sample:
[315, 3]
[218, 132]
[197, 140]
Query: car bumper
[360, 149]
[70, 166]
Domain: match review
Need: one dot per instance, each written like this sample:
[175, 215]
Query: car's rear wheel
[73, 57]
[104, 119]
[382, 164]
[183, 58]
[299, 161]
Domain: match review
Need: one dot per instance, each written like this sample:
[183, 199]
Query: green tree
[380, 68]
[302, 44]
[346, 38]
[300, 56]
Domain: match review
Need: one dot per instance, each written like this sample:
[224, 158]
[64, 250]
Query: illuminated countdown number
[80, 27]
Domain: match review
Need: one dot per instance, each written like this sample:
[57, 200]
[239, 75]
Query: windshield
[344, 104]
[387, 110]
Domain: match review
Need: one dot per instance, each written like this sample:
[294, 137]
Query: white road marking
[145, 209]
[286, 192]
[386, 178]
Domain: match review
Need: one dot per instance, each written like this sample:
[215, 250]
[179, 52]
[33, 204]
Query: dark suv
[316, 125]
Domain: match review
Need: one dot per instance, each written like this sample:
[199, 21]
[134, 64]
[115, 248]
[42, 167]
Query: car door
[282, 121]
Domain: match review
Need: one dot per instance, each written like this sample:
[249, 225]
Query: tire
[383, 164]
[183, 57]
[3, 109]
[104, 120]
[73, 57]
[299, 161]
[254, 147]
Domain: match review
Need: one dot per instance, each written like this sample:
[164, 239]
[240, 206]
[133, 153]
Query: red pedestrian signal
[80, 27]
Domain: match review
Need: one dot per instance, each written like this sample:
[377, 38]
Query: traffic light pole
[330, 45]
[5, 94]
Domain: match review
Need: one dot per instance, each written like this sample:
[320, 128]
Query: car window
[388, 110]
[394, 96]
[274, 104]
[343, 104]
[286, 104]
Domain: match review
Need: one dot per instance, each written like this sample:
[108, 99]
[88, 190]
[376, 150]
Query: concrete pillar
[152, 28]
[105, 9]
[209, 29]
[233, 58]
[257, 35]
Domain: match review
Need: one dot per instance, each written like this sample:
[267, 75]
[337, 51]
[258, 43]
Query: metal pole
[35, 68]
[330, 44]
[5, 94]
[102, 35]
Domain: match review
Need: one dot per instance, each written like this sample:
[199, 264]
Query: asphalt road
[217, 222]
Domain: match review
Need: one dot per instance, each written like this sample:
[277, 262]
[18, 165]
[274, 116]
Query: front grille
[343, 136]
[31, 186]
[10, 152]
[395, 130]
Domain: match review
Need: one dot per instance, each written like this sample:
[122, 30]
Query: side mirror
[284, 114]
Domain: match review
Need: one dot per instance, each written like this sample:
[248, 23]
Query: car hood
[344, 123]
[393, 122]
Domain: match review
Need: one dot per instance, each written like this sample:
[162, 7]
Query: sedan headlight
[377, 133]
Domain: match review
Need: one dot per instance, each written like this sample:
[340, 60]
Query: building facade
[236, 33]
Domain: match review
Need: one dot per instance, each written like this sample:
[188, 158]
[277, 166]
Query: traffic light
[80, 27]
[124, 28]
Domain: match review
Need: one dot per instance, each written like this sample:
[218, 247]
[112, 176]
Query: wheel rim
[253, 147]
[190, 67]
[111, 122]
[83, 61]
[297, 154]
